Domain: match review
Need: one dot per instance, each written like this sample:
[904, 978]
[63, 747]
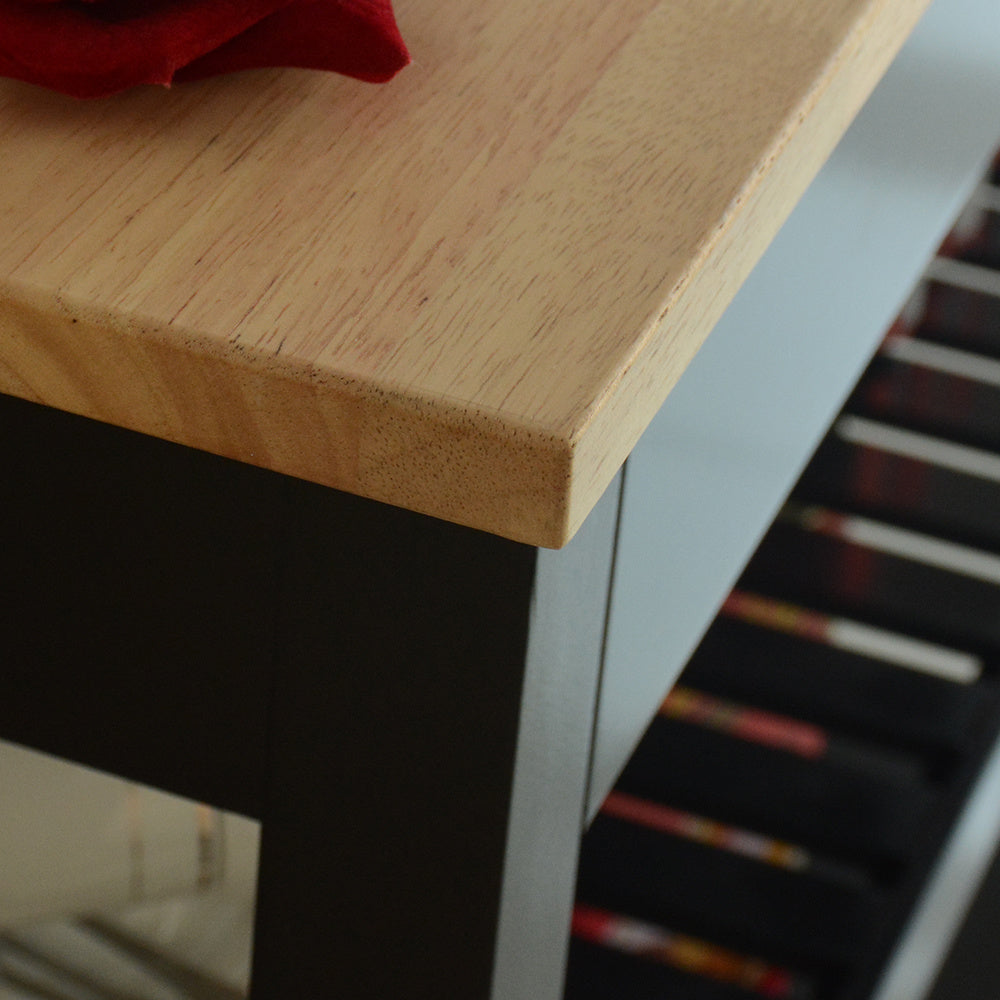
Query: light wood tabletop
[465, 292]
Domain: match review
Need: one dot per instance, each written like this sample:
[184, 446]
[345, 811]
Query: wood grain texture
[466, 292]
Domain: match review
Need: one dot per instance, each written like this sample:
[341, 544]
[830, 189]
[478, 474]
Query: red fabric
[356, 37]
[92, 48]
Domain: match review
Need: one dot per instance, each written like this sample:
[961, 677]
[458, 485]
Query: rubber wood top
[465, 292]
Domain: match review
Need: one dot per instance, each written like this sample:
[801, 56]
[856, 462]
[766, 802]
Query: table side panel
[708, 475]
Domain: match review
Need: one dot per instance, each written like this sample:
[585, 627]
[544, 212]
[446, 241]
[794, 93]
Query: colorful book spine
[689, 954]
[947, 393]
[960, 316]
[665, 819]
[891, 540]
[853, 636]
[746, 723]
[789, 735]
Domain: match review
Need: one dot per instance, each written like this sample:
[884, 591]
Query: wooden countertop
[465, 292]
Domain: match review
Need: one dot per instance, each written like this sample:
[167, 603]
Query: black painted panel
[136, 577]
[396, 705]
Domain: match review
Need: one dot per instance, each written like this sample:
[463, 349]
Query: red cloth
[92, 48]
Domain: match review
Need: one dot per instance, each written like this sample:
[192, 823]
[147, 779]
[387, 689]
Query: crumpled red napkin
[93, 48]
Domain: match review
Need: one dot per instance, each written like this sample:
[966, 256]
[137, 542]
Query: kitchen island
[313, 496]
